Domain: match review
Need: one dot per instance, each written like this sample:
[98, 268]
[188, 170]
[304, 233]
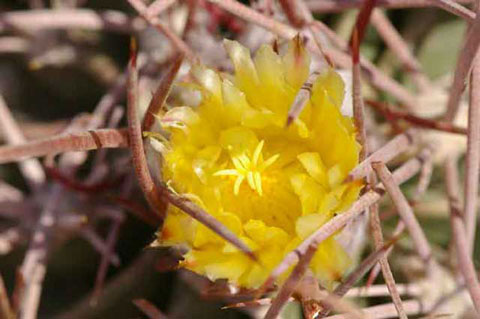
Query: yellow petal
[255, 229]
[232, 268]
[313, 164]
[246, 77]
[258, 118]
[328, 204]
[333, 85]
[205, 236]
[336, 175]
[172, 231]
[307, 224]
[297, 63]
[265, 235]
[273, 93]
[269, 67]
[302, 128]
[180, 117]
[276, 236]
[350, 195]
[235, 104]
[208, 79]
[205, 161]
[309, 192]
[251, 244]
[335, 143]
[330, 262]
[178, 229]
[255, 277]
[238, 140]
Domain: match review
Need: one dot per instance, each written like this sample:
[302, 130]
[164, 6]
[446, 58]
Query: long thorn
[161, 93]
[465, 261]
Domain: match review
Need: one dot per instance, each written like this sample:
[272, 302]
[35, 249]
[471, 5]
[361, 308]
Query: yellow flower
[270, 184]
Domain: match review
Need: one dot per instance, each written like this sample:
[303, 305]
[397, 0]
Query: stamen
[238, 183]
[257, 152]
[258, 183]
[226, 172]
[269, 161]
[243, 158]
[238, 165]
[248, 168]
[250, 180]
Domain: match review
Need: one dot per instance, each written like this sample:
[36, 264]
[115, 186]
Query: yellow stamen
[269, 161]
[250, 180]
[238, 164]
[258, 183]
[226, 172]
[245, 161]
[257, 152]
[248, 168]
[238, 183]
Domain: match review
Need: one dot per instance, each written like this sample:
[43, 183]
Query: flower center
[249, 168]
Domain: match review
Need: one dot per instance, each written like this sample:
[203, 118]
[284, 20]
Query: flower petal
[296, 62]
[208, 79]
[233, 268]
[206, 236]
[309, 192]
[238, 140]
[246, 77]
[273, 93]
[313, 164]
[235, 104]
[307, 224]
[330, 262]
[180, 116]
